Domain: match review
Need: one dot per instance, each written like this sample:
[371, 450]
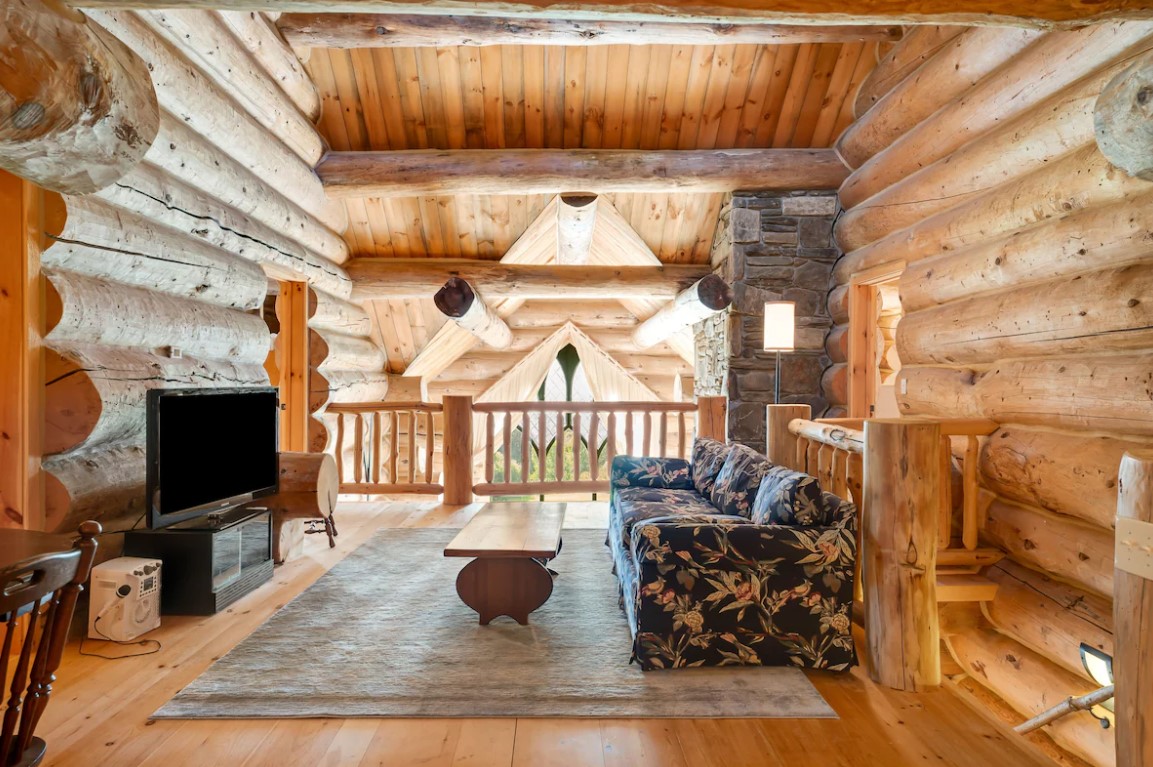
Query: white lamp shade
[779, 326]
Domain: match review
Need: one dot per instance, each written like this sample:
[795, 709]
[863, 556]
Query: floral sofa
[728, 559]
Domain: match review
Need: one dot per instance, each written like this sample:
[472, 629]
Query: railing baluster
[358, 449]
[489, 449]
[507, 447]
[393, 447]
[525, 458]
[825, 466]
[840, 473]
[594, 443]
[429, 445]
[647, 431]
[969, 488]
[412, 447]
[629, 417]
[576, 445]
[682, 436]
[802, 453]
[559, 446]
[812, 458]
[340, 446]
[945, 494]
[376, 448]
[664, 451]
[611, 452]
[541, 451]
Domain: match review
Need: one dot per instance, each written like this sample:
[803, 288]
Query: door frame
[292, 352]
[863, 334]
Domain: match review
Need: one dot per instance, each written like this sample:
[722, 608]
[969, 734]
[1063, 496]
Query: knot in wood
[1145, 95]
[91, 89]
[28, 115]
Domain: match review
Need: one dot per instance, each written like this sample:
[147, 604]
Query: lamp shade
[779, 326]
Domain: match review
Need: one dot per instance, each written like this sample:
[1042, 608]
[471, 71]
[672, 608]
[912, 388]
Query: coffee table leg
[513, 587]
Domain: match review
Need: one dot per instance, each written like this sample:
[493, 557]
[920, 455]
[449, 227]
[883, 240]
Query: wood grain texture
[1132, 608]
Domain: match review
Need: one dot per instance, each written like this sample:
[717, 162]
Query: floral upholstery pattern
[708, 459]
[703, 588]
[633, 471]
[738, 481]
[788, 497]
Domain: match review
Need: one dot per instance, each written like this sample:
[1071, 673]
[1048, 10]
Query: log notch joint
[1123, 119]
[458, 301]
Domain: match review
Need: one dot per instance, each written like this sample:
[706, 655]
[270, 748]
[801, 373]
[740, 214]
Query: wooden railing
[545, 431]
[386, 447]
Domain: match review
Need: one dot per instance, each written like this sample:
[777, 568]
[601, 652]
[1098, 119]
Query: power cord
[142, 643]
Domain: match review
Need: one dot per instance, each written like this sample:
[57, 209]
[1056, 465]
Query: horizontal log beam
[1041, 13]
[458, 301]
[376, 30]
[377, 279]
[701, 300]
[551, 171]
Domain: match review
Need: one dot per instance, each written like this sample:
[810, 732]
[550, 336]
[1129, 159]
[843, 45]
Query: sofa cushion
[629, 513]
[788, 497]
[659, 495]
[639, 471]
[708, 459]
[738, 481]
[836, 511]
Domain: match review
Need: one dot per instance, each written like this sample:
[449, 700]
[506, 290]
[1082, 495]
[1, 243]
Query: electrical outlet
[175, 352]
[904, 386]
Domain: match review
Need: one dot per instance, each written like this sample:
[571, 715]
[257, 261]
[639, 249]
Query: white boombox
[125, 599]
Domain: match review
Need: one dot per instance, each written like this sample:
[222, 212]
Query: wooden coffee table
[510, 543]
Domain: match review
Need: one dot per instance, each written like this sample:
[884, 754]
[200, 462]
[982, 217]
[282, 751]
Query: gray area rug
[384, 634]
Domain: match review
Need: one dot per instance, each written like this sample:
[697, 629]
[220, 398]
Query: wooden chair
[38, 593]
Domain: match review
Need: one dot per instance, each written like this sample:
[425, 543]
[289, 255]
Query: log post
[702, 299]
[79, 107]
[899, 554]
[781, 447]
[458, 301]
[457, 450]
[308, 489]
[1133, 610]
[1123, 119]
[576, 217]
[712, 418]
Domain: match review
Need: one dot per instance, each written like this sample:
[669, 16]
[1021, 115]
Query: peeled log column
[1031, 684]
[1099, 312]
[576, 216]
[460, 303]
[95, 394]
[915, 48]
[80, 310]
[104, 483]
[1080, 180]
[1123, 119]
[308, 490]
[1109, 235]
[101, 240]
[1132, 614]
[706, 297]
[1046, 67]
[1069, 473]
[955, 68]
[1069, 549]
[781, 443]
[1094, 392]
[1049, 617]
[1038, 136]
[79, 107]
[899, 553]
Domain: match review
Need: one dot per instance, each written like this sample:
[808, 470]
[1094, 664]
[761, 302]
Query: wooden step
[965, 588]
[961, 557]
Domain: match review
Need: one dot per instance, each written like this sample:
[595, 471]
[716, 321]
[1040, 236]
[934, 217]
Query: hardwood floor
[99, 710]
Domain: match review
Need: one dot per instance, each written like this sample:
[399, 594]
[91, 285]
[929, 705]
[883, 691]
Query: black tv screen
[210, 450]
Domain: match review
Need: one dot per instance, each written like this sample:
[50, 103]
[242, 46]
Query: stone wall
[771, 247]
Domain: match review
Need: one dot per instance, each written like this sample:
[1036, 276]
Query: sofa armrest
[716, 545]
[637, 471]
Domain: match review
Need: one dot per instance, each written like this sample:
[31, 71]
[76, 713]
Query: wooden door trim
[863, 332]
[292, 363]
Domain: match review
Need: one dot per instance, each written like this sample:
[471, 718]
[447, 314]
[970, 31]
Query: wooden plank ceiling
[557, 97]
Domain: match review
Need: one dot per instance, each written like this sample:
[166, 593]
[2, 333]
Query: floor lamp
[779, 322]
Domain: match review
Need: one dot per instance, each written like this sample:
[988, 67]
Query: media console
[209, 562]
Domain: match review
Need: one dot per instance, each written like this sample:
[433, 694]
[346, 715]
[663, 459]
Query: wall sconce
[1098, 703]
[779, 336]
[1100, 667]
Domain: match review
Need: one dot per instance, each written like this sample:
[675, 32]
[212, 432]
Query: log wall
[1025, 296]
[153, 281]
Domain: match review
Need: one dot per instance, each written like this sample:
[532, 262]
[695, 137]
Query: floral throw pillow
[708, 458]
[788, 497]
[738, 481]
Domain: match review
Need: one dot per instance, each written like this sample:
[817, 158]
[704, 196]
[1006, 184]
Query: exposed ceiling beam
[1039, 13]
[702, 300]
[422, 172]
[379, 30]
[459, 302]
[377, 279]
[576, 218]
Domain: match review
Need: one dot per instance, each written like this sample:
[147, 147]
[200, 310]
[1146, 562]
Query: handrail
[584, 407]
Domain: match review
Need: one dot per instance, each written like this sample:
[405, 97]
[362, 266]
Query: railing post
[712, 418]
[457, 450]
[781, 445]
[1133, 610]
[899, 556]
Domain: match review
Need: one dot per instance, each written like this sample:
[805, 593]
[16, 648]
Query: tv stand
[208, 562]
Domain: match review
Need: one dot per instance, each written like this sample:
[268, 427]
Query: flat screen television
[210, 450]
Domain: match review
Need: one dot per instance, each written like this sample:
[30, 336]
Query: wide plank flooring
[99, 710]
